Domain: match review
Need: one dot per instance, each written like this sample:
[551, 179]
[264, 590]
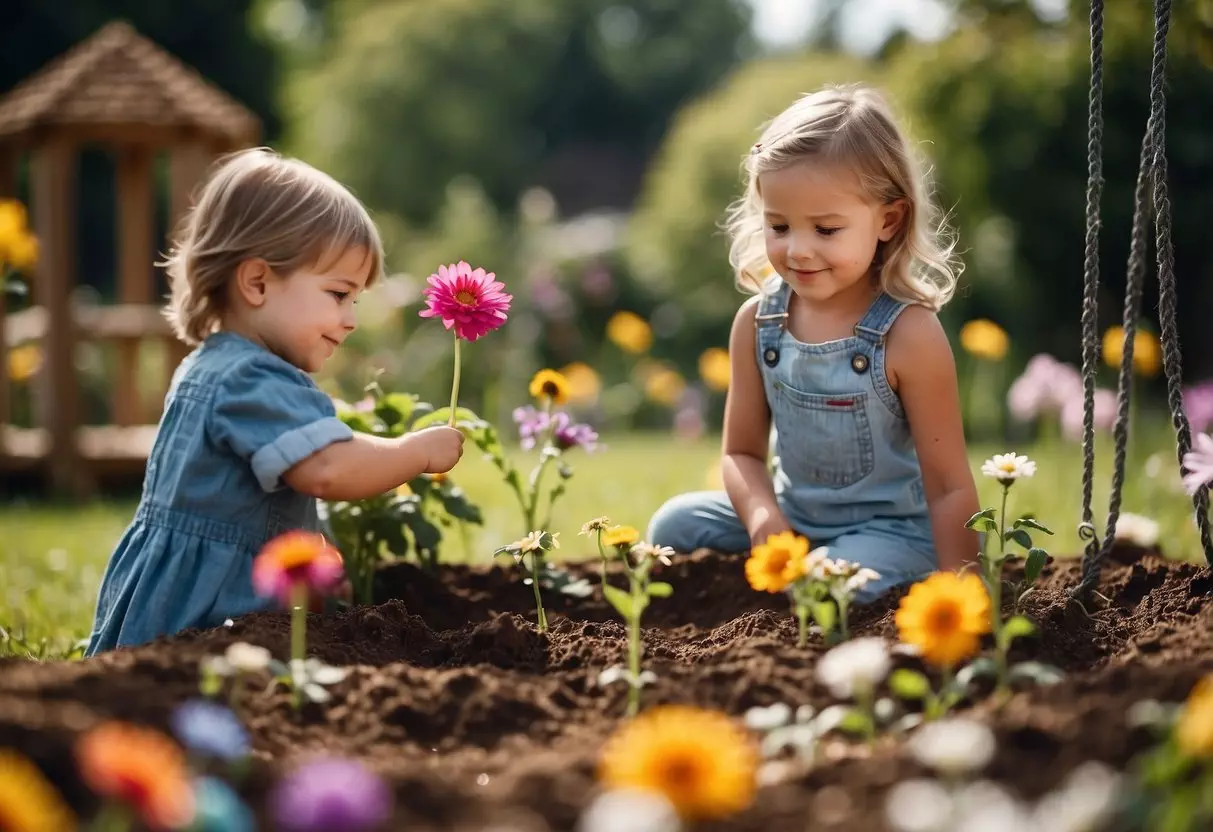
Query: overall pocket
[823, 439]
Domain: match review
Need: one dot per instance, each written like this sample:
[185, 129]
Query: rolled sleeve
[273, 415]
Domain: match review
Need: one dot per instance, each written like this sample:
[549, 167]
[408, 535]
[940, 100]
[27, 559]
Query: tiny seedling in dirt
[536, 544]
[638, 559]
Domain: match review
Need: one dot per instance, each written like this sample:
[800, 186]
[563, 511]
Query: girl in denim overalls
[841, 353]
[265, 275]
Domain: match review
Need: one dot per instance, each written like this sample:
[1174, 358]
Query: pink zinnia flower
[297, 559]
[1198, 464]
[1104, 413]
[469, 301]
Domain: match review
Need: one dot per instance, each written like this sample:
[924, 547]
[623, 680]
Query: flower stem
[634, 654]
[995, 584]
[455, 385]
[602, 556]
[844, 630]
[802, 619]
[541, 620]
[112, 817]
[298, 631]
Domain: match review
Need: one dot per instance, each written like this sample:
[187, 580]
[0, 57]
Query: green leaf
[1019, 536]
[660, 589]
[825, 613]
[1016, 627]
[855, 722]
[1031, 523]
[985, 666]
[619, 599]
[456, 503]
[464, 418]
[1035, 672]
[395, 408]
[426, 536]
[1035, 562]
[909, 684]
[984, 514]
[356, 421]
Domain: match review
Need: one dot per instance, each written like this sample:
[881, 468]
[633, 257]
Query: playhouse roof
[117, 78]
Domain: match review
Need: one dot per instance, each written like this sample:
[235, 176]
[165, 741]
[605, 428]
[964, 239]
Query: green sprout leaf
[855, 722]
[1035, 672]
[1031, 523]
[825, 613]
[1017, 627]
[909, 684]
[1034, 564]
[1019, 536]
[620, 600]
[985, 666]
[986, 514]
[660, 589]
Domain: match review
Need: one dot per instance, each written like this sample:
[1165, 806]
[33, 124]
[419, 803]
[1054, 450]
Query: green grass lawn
[52, 557]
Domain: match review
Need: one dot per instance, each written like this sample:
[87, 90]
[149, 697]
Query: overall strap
[879, 318]
[771, 320]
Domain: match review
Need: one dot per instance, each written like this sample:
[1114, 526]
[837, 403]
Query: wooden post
[8, 189]
[54, 212]
[188, 165]
[135, 274]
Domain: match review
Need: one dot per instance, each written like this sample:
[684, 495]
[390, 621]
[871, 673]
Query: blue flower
[210, 729]
[218, 808]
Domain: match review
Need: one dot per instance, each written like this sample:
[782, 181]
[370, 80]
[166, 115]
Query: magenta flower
[534, 424]
[1198, 405]
[469, 301]
[296, 563]
[1198, 464]
[331, 795]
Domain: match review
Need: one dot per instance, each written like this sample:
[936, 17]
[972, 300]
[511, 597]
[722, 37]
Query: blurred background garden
[584, 151]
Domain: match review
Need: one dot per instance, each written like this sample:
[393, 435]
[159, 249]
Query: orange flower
[698, 759]
[293, 559]
[945, 616]
[778, 562]
[28, 802]
[141, 768]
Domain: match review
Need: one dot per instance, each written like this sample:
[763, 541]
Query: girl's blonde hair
[257, 203]
[852, 126]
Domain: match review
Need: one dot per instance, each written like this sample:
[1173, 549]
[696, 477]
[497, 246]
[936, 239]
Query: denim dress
[845, 471]
[236, 417]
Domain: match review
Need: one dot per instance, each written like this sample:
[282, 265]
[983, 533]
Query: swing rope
[1151, 182]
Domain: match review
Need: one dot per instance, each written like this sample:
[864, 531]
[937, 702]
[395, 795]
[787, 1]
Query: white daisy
[629, 810]
[953, 746]
[857, 665]
[247, 658]
[1006, 468]
[1137, 529]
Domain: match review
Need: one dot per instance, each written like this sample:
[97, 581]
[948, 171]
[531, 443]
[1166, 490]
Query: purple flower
[1104, 413]
[1198, 405]
[331, 795]
[1198, 464]
[210, 729]
[534, 424]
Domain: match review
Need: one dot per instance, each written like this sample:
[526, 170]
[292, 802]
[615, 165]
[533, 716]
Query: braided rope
[1167, 301]
[1151, 178]
[1090, 305]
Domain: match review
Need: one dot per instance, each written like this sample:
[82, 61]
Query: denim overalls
[845, 471]
[235, 419]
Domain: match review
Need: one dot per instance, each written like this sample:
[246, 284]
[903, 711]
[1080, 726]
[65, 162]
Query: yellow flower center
[465, 297]
[777, 561]
[681, 773]
[1008, 466]
[550, 389]
[299, 555]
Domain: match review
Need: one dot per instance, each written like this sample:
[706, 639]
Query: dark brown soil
[480, 722]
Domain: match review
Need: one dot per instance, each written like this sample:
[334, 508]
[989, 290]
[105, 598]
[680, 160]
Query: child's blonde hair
[851, 126]
[257, 203]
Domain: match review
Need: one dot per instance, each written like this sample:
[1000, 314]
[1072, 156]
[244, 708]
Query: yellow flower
[714, 368]
[1194, 729]
[629, 332]
[13, 221]
[549, 384]
[24, 362]
[984, 339]
[28, 802]
[665, 386]
[620, 536]
[945, 616]
[584, 383]
[21, 252]
[699, 760]
[1147, 352]
[778, 562]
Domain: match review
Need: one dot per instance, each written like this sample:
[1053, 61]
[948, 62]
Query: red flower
[469, 301]
[141, 768]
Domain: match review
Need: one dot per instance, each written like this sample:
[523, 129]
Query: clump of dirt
[480, 722]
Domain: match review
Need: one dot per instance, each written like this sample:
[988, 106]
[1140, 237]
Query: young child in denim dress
[265, 274]
[842, 353]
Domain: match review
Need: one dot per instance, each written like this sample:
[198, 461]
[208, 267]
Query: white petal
[629, 810]
[953, 746]
[612, 675]
[772, 716]
[918, 806]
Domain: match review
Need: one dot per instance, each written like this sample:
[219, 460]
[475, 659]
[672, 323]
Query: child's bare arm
[923, 370]
[368, 465]
[747, 425]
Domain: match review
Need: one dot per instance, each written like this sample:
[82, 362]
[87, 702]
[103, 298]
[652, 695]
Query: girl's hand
[765, 523]
[443, 447]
